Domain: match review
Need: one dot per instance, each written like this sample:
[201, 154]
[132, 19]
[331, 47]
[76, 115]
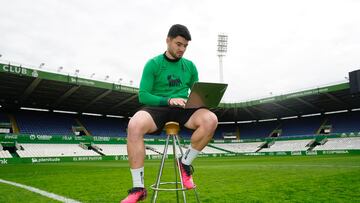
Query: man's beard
[174, 54]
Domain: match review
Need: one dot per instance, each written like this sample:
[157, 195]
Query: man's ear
[168, 40]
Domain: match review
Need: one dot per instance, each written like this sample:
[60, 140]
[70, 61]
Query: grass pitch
[326, 178]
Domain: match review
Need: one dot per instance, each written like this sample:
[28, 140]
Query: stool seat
[172, 129]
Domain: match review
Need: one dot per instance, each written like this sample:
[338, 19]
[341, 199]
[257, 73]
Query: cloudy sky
[276, 46]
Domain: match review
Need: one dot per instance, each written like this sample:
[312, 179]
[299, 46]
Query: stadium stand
[344, 122]
[53, 150]
[340, 143]
[5, 154]
[223, 129]
[3, 117]
[44, 123]
[211, 150]
[112, 149]
[160, 148]
[300, 126]
[288, 145]
[5, 124]
[239, 147]
[257, 129]
[104, 126]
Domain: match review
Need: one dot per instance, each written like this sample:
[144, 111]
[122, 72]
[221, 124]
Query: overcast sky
[276, 46]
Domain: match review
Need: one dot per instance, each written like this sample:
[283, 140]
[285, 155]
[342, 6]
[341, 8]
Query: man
[164, 88]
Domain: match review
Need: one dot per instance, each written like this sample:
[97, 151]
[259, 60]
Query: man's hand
[178, 102]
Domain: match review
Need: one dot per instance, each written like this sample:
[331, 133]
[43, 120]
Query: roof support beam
[262, 111]
[253, 116]
[337, 100]
[30, 89]
[224, 112]
[307, 103]
[285, 108]
[102, 95]
[123, 102]
[66, 95]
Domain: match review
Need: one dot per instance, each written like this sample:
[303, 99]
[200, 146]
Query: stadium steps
[265, 145]
[277, 130]
[14, 125]
[82, 126]
[316, 142]
[96, 149]
[322, 126]
[153, 149]
[89, 146]
[224, 150]
[11, 147]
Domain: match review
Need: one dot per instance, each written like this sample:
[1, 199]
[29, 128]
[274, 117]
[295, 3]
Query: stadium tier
[111, 149]
[53, 150]
[239, 147]
[340, 144]
[44, 123]
[345, 122]
[257, 129]
[301, 126]
[48, 123]
[104, 126]
[288, 145]
[3, 118]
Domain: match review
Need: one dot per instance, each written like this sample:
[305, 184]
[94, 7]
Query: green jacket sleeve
[146, 86]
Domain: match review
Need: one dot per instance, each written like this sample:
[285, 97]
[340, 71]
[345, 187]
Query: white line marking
[41, 192]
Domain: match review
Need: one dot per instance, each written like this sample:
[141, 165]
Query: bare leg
[204, 122]
[140, 124]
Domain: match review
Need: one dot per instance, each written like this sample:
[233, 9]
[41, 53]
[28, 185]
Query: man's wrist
[168, 101]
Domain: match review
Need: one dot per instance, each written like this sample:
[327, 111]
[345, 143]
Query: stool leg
[178, 143]
[154, 197]
[177, 166]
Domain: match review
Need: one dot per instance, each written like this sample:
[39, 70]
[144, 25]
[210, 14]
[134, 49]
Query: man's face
[176, 46]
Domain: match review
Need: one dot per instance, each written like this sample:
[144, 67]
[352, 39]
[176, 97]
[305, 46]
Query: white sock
[138, 177]
[189, 156]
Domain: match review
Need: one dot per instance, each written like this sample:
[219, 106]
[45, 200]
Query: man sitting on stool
[164, 88]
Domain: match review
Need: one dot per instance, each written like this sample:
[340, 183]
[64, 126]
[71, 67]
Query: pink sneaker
[135, 194]
[186, 171]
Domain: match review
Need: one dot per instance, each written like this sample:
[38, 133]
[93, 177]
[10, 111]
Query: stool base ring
[169, 189]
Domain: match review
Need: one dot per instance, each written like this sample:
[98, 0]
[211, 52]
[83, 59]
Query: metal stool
[172, 129]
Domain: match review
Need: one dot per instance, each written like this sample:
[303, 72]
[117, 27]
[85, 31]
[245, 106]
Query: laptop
[205, 94]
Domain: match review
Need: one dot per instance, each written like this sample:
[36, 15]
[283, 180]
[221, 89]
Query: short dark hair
[179, 30]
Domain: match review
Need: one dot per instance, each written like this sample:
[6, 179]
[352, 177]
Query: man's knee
[133, 126]
[209, 121]
[140, 124]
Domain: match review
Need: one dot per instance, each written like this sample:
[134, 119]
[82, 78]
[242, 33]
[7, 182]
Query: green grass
[326, 178]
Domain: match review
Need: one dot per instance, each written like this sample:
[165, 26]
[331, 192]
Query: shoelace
[189, 169]
[133, 190]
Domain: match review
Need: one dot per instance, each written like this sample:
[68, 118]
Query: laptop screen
[204, 94]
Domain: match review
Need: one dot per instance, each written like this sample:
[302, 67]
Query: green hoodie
[164, 78]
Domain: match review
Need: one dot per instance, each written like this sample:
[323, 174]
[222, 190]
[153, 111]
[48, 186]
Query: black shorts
[164, 114]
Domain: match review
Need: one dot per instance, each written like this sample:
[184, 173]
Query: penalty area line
[41, 192]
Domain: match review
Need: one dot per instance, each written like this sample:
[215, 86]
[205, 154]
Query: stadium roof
[25, 87]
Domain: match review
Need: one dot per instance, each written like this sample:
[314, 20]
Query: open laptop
[205, 94]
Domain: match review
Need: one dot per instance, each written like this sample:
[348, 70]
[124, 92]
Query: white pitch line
[41, 192]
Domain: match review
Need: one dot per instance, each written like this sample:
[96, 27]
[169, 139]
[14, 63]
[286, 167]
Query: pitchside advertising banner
[23, 138]
[12, 139]
[32, 138]
[37, 160]
[19, 70]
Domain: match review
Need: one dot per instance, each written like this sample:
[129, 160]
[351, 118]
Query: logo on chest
[174, 81]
